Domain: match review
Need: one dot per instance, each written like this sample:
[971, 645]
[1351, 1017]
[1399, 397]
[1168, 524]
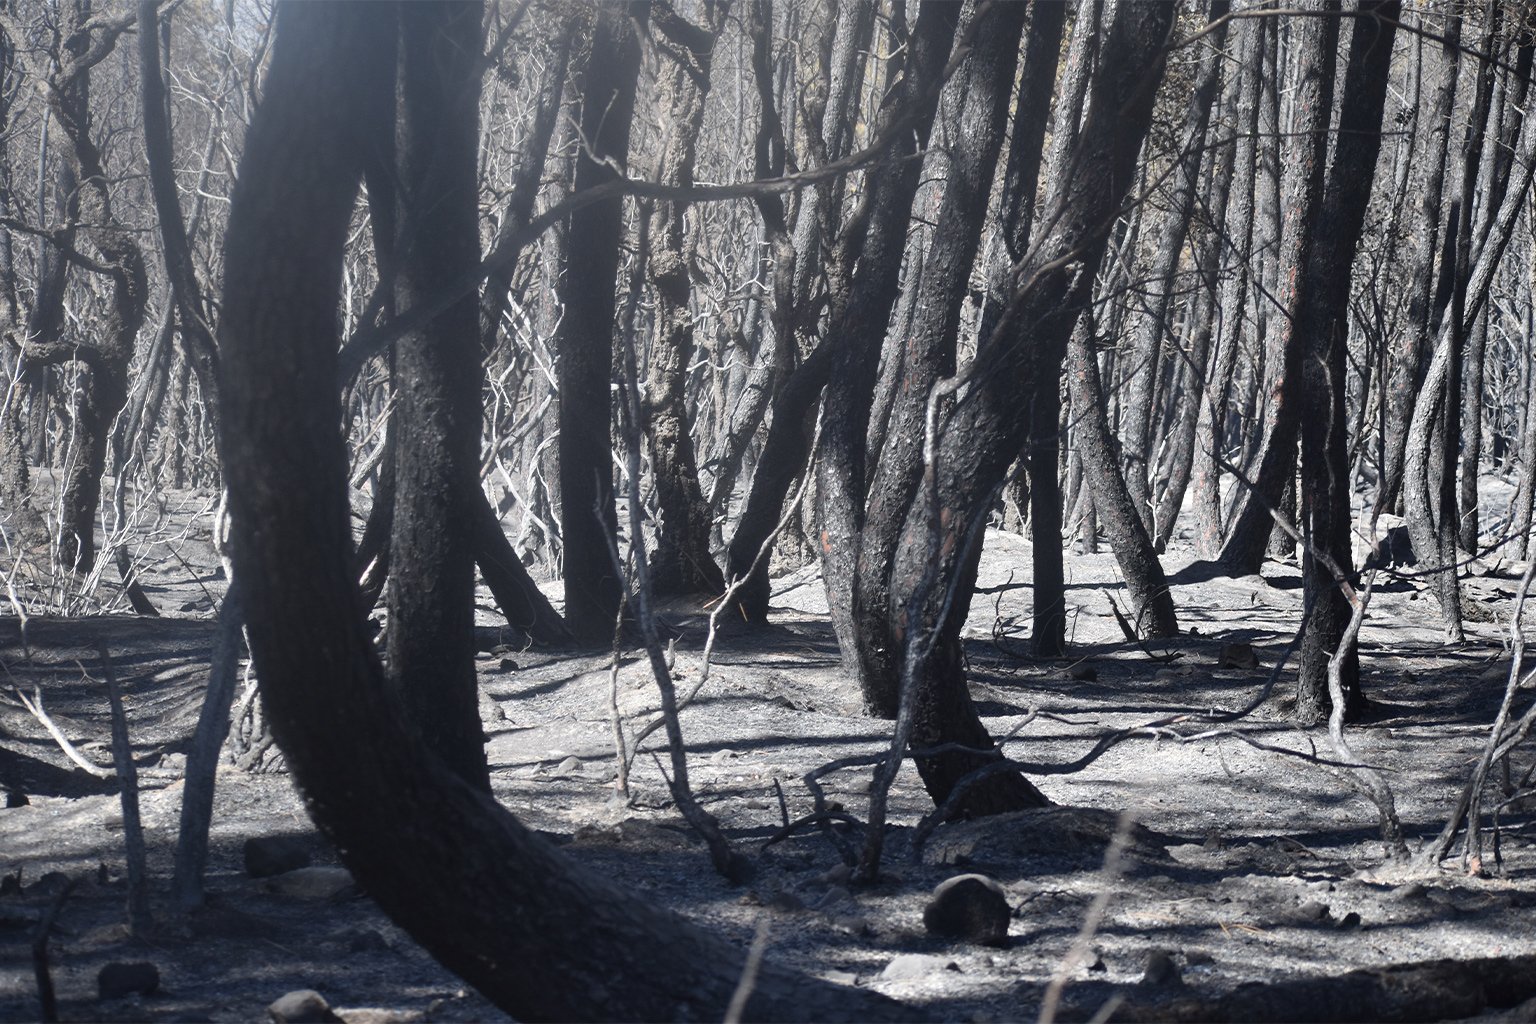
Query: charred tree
[584, 342]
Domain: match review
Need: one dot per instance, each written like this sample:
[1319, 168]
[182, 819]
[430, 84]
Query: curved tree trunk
[979, 437]
[1314, 45]
[541, 937]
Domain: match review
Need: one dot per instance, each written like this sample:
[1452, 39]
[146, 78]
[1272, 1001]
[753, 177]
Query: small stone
[912, 966]
[570, 766]
[507, 665]
[304, 1006]
[16, 798]
[724, 755]
[318, 883]
[1084, 672]
[266, 856]
[1238, 656]
[1349, 921]
[1161, 970]
[972, 907]
[1409, 891]
[841, 978]
[1313, 910]
[1167, 674]
[119, 979]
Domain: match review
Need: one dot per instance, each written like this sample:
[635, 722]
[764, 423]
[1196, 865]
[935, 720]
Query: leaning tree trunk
[1405, 376]
[1150, 599]
[976, 101]
[541, 937]
[967, 461]
[858, 331]
[1146, 369]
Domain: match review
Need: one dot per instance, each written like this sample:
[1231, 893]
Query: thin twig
[749, 971]
[35, 706]
[1078, 951]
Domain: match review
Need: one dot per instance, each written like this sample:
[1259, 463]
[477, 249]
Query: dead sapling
[727, 862]
[133, 828]
[1503, 737]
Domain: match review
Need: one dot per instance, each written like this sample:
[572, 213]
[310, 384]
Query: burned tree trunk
[585, 339]
[438, 381]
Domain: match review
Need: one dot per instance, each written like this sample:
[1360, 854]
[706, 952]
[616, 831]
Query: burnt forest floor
[1245, 865]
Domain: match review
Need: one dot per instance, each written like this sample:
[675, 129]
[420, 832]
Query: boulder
[970, 907]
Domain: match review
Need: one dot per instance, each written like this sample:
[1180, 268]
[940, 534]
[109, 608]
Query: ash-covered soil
[1241, 864]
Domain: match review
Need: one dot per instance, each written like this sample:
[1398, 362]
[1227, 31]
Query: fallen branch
[34, 705]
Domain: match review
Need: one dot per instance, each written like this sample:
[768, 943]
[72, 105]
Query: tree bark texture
[979, 437]
[680, 560]
[585, 339]
[1322, 319]
[438, 383]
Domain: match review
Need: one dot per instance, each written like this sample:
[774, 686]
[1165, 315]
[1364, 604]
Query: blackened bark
[858, 330]
[542, 938]
[438, 381]
[1322, 315]
[524, 606]
[1146, 350]
[987, 426]
[681, 562]
[1411, 354]
[584, 341]
[1212, 427]
[926, 352]
[1042, 55]
[1150, 599]
[197, 336]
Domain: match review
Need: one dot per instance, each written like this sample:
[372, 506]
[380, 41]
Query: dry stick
[133, 829]
[1469, 805]
[203, 758]
[34, 705]
[1367, 779]
[748, 981]
[730, 864]
[1079, 949]
[45, 996]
